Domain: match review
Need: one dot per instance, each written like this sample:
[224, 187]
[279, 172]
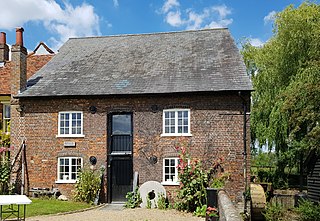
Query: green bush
[308, 211]
[161, 202]
[193, 182]
[274, 212]
[133, 199]
[87, 186]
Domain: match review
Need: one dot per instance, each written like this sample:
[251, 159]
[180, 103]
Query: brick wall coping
[227, 211]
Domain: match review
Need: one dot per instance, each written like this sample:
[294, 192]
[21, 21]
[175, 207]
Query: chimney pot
[3, 38]
[19, 36]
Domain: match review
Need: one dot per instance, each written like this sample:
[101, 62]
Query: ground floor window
[6, 117]
[68, 169]
[170, 171]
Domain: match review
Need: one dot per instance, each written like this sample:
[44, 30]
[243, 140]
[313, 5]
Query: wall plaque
[69, 144]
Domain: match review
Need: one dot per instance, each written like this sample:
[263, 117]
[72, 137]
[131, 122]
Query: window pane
[166, 130]
[172, 130]
[7, 114]
[166, 162]
[185, 129]
[185, 114]
[180, 122]
[67, 116]
[179, 129]
[172, 162]
[121, 124]
[166, 114]
[172, 170]
[166, 170]
[179, 114]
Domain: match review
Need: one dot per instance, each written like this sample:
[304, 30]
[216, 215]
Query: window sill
[65, 181]
[176, 135]
[170, 183]
[71, 136]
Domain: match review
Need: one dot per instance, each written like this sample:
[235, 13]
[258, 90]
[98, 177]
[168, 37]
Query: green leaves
[285, 73]
[87, 186]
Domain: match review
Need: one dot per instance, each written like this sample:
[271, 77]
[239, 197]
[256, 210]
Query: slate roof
[188, 61]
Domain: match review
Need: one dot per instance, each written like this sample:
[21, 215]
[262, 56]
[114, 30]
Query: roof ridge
[152, 33]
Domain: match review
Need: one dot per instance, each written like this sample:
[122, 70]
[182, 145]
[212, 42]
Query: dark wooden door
[120, 156]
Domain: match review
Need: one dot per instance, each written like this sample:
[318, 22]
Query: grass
[40, 207]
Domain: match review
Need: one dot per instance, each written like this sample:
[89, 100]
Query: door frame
[108, 151]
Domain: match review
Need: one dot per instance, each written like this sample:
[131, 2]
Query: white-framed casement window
[68, 169]
[6, 117]
[70, 124]
[176, 122]
[170, 171]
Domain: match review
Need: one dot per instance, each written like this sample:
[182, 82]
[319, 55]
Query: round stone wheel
[258, 201]
[153, 189]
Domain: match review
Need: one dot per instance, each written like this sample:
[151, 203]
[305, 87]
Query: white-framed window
[6, 117]
[170, 171]
[68, 169]
[70, 124]
[176, 122]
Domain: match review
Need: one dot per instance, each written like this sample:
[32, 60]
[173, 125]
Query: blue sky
[54, 21]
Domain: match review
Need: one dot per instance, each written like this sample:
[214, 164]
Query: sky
[55, 21]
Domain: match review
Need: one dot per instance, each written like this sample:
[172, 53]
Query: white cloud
[256, 42]
[116, 3]
[174, 19]
[210, 17]
[64, 22]
[170, 4]
[270, 17]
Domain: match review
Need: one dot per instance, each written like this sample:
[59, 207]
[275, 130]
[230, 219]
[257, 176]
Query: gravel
[118, 213]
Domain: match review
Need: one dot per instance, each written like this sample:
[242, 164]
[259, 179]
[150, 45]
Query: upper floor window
[68, 169]
[70, 124]
[176, 122]
[6, 117]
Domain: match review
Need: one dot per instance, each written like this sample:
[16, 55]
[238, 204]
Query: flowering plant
[212, 212]
[193, 182]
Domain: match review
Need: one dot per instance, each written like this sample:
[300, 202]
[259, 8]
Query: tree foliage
[285, 72]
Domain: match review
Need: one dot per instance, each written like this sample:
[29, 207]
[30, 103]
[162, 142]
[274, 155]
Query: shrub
[87, 186]
[193, 182]
[161, 202]
[274, 212]
[308, 211]
[133, 199]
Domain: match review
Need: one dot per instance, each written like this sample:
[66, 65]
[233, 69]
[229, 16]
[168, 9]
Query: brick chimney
[19, 64]
[4, 49]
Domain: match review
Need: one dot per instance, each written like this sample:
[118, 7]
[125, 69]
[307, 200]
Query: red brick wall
[216, 128]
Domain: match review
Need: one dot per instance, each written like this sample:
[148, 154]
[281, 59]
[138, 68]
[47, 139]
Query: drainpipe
[244, 103]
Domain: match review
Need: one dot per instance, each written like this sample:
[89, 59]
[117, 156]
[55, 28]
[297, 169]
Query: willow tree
[285, 72]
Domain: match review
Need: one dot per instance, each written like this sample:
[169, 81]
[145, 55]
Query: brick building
[125, 102]
[34, 60]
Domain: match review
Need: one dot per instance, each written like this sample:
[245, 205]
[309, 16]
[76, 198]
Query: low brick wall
[227, 211]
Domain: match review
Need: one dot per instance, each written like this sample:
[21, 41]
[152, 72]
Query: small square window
[176, 122]
[70, 124]
[170, 171]
[68, 169]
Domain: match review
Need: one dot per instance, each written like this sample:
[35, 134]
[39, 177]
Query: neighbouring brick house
[127, 100]
[35, 61]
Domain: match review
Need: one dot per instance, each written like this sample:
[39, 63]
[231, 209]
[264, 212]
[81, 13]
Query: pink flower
[2, 149]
